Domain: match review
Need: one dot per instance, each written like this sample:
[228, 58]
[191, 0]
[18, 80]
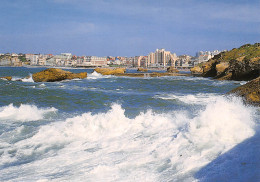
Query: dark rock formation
[244, 70]
[53, 75]
[250, 92]
[172, 69]
[142, 69]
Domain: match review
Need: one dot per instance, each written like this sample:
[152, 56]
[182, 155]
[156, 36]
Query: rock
[154, 74]
[9, 78]
[53, 74]
[250, 92]
[172, 69]
[221, 67]
[196, 70]
[247, 69]
[109, 71]
[142, 70]
[209, 68]
[238, 64]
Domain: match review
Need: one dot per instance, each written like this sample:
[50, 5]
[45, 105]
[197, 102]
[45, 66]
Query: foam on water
[29, 79]
[111, 147]
[23, 79]
[96, 75]
[188, 78]
[24, 112]
[199, 98]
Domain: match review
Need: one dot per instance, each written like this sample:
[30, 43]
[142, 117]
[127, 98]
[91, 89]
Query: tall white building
[35, 59]
[161, 57]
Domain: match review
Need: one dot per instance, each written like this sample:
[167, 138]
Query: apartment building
[161, 58]
[95, 61]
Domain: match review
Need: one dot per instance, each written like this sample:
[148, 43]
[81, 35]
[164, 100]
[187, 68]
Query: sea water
[108, 128]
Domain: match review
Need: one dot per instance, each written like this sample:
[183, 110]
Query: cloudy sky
[126, 27]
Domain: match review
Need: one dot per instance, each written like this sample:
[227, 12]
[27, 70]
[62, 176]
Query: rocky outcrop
[121, 72]
[109, 71]
[238, 64]
[172, 69]
[221, 68]
[247, 69]
[53, 75]
[9, 78]
[142, 69]
[197, 70]
[154, 74]
[250, 92]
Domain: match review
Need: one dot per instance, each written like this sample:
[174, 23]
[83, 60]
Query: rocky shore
[122, 72]
[241, 63]
[53, 74]
[250, 92]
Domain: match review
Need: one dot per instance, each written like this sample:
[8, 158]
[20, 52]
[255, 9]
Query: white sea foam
[188, 78]
[199, 98]
[243, 82]
[96, 75]
[24, 112]
[151, 147]
[23, 79]
[42, 85]
[28, 79]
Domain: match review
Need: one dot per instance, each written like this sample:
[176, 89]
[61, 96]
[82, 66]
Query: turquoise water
[107, 128]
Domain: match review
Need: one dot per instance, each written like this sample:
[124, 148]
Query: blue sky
[126, 27]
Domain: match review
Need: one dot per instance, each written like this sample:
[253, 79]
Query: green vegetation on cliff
[246, 51]
[241, 63]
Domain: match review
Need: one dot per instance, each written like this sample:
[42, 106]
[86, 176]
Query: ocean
[108, 128]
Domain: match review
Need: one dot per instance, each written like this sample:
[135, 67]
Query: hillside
[241, 63]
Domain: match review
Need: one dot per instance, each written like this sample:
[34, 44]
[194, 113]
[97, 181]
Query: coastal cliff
[250, 92]
[241, 63]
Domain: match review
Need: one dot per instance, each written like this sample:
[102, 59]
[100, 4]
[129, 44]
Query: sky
[127, 27]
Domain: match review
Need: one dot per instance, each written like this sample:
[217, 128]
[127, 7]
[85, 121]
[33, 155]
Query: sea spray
[28, 79]
[96, 75]
[150, 147]
[24, 112]
[199, 99]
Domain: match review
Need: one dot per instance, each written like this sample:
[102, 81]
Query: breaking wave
[28, 79]
[96, 75]
[24, 112]
[112, 147]
[199, 98]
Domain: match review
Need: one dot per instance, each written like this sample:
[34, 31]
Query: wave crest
[24, 112]
[149, 146]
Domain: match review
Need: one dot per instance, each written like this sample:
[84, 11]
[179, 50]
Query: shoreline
[64, 67]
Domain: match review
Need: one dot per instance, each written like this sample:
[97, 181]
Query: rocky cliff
[250, 92]
[238, 64]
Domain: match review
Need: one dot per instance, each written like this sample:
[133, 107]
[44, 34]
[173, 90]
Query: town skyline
[160, 58]
[126, 28]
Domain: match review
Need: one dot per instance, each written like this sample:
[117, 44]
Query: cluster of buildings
[158, 59]
[10, 60]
